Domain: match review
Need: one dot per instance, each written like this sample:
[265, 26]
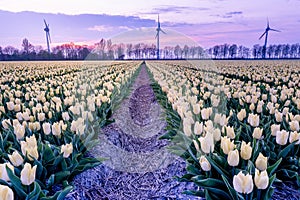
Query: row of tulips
[238, 132]
[50, 116]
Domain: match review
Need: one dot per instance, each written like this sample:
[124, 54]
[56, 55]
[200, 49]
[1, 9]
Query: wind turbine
[158, 29]
[266, 37]
[47, 30]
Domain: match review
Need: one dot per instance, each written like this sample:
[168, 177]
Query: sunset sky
[205, 22]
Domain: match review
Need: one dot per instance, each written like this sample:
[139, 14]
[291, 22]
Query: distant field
[227, 119]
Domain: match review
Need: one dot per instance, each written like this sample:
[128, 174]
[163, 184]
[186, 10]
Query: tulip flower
[29, 148]
[204, 163]
[257, 133]
[65, 116]
[282, 137]
[261, 179]
[294, 136]
[41, 117]
[16, 159]
[253, 120]
[261, 162]
[198, 128]
[205, 113]
[46, 128]
[207, 143]
[6, 193]
[56, 129]
[278, 116]
[229, 132]
[233, 158]
[241, 115]
[66, 150]
[243, 183]
[28, 174]
[3, 171]
[196, 109]
[294, 125]
[10, 105]
[19, 131]
[274, 129]
[187, 129]
[246, 150]
[226, 145]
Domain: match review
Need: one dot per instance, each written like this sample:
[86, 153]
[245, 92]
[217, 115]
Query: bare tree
[27, 47]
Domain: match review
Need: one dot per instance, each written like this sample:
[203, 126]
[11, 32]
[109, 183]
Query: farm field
[155, 129]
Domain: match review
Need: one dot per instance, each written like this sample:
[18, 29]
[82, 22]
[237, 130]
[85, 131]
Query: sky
[202, 22]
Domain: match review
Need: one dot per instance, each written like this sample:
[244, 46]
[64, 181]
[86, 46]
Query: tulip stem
[258, 194]
[28, 189]
[247, 196]
[232, 171]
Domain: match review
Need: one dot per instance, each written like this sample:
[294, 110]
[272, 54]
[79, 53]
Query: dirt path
[139, 165]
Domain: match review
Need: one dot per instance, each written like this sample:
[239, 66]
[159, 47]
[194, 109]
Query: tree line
[106, 50]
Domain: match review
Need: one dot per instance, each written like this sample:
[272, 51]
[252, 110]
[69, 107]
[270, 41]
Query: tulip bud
[28, 174]
[6, 193]
[261, 179]
[243, 183]
[226, 145]
[16, 159]
[67, 150]
[282, 137]
[233, 158]
[3, 171]
[257, 133]
[205, 165]
[261, 162]
[246, 150]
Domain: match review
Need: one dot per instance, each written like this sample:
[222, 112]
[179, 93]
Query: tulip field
[235, 123]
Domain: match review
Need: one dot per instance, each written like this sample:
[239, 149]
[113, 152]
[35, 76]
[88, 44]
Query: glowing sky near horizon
[208, 22]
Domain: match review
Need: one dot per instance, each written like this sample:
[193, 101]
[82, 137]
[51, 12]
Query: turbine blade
[262, 35]
[274, 30]
[162, 31]
[268, 23]
[45, 23]
[48, 34]
[156, 35]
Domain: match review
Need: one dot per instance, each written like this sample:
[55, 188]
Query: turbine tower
[158, 29]
[266, 37]
[47, 30]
